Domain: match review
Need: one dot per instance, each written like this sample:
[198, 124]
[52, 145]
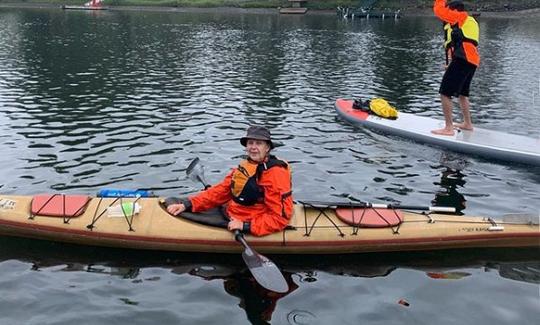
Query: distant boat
[297, 8]
[299, 11]
[90, 5]
[351, 13]
[366, 10]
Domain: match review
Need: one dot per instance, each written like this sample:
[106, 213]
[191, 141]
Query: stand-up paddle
[265, 272]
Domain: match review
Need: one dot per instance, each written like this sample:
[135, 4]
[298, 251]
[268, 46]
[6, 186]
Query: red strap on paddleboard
[59, 205]
[369, 217]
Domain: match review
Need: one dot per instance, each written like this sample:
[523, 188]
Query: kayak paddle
[333, 205]
[265, 272]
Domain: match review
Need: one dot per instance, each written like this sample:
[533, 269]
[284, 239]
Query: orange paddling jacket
[459, 23]
[270, 213]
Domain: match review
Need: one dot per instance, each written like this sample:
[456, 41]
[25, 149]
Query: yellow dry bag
[382, 108]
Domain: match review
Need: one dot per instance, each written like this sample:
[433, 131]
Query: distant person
[461, 41]
[257, 194]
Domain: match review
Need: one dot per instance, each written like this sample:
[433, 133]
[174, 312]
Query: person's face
[257, 149]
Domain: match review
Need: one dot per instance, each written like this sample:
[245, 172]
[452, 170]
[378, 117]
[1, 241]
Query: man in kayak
[256, 194]
[461, 41]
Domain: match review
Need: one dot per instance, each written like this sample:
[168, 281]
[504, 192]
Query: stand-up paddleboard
[482, 142]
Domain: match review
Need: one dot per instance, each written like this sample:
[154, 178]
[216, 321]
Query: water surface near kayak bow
[128, 99]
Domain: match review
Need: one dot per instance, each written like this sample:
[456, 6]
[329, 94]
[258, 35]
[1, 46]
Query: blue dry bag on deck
[111, 192]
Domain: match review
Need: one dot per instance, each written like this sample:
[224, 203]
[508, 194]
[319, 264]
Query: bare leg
[467, 122]
[447, 110]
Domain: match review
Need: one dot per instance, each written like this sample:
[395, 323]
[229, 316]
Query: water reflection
[258, 303]
[517, 264]
[448, 194]
[208, 286]
[524, 272]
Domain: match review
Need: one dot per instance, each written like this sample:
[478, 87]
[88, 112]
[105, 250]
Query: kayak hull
[312, 231]
[481, 142]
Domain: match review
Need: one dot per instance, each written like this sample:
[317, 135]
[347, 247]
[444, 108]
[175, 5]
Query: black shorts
[457, 78]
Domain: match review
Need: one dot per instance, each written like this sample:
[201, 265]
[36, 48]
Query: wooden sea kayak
[480, 142]
[315, 228]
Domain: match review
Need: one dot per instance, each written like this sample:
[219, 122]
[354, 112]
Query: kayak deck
[311, 231]
[482, 142]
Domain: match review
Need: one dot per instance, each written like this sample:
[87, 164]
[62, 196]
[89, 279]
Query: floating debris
[404, 302]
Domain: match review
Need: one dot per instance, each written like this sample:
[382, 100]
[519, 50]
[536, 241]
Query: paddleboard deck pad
[481, 142]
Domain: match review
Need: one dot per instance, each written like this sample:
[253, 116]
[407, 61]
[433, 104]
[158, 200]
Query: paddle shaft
[240, 238]
[411, 207]
[335, 205]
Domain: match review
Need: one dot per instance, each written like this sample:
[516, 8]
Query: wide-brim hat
[258, 133]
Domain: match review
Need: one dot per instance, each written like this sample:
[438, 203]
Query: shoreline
[405, 12]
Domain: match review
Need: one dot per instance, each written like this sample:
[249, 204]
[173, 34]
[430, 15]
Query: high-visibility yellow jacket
[461, 33]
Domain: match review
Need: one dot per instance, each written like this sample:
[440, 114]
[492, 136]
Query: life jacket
[245, 189]
[455, 36]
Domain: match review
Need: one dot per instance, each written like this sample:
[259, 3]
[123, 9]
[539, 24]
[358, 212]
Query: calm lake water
[127, 99]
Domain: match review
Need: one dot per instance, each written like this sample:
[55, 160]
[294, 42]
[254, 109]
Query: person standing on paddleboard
[461, 45]
[257, 194]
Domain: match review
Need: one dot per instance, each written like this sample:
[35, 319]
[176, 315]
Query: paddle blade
[265, 272]
[192, 165]
[195, 172]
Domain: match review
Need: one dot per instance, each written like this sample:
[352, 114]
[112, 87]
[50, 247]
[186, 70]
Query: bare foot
[443, 132]
[464, 126]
